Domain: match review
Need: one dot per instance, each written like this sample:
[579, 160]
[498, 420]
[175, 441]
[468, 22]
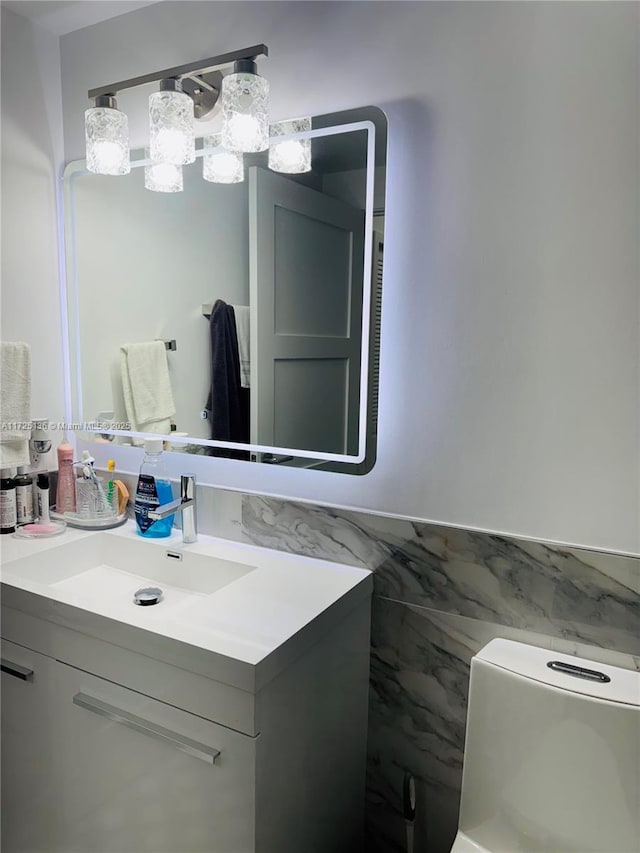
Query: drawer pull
[184, 744]
[16, 670]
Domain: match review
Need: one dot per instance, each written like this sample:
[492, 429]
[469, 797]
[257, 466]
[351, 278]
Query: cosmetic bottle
[66, 491]
[153, 490]
[42, 497]
[8, 515]
[24, 496]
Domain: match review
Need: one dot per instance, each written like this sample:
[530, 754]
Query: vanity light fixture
[106, 131]
[186, 91]
[245, 104]
[162, 177]
[293, 156]
[171, 134]
[219, 165]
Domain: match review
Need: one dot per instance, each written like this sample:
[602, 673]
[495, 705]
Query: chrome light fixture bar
[203, 81]
[196, 72]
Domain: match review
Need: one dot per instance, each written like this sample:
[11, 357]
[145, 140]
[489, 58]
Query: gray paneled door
[306, 269]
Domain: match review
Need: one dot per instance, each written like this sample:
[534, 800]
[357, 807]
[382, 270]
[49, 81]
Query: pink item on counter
[66, 491]
[40, 530]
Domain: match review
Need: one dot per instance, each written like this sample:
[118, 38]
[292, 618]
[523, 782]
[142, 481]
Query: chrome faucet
[186, 504]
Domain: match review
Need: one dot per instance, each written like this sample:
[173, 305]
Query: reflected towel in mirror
[242, 328]
[146, 387]
[228, 401]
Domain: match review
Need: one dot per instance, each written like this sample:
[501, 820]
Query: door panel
[307, 259]
[312, 265]
[310, 382]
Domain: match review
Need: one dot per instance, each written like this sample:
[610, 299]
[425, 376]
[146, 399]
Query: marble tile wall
[440, 594]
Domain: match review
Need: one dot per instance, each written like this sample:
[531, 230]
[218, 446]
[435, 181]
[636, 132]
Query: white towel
[15, 404]
[242, 329]
[14, 454]
[146, 387]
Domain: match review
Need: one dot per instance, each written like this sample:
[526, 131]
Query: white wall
[509, 384]
[32, 153]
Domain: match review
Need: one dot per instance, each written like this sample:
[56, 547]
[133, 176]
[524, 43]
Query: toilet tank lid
[578, 675]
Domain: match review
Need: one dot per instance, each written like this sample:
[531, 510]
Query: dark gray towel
[228, 401]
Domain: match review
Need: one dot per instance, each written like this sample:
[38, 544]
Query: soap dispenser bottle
[153, 490]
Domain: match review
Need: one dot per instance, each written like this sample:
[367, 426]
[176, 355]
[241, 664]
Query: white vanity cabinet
[90, 766]
[115, 743]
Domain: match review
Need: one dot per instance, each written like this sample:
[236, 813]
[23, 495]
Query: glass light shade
[245, 104]
[294, 155]
[107, 137]
[162, 177]
[219, 165]
[171, 136]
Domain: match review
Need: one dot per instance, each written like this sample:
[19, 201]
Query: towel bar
[207, 308]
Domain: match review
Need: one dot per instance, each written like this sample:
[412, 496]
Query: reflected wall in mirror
[278, 277]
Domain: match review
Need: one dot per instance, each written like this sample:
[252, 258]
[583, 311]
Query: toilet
[552, 755]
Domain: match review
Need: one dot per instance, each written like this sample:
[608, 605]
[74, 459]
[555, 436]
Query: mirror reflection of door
[306, 268]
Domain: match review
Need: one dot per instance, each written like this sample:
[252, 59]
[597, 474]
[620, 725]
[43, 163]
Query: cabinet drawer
[92, 767]
[139, 775]
[29, 790]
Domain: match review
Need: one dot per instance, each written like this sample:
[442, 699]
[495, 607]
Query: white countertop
[247, 627]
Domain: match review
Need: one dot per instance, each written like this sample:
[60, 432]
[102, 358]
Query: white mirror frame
[73, 385]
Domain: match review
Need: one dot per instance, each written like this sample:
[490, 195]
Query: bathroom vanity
[231, 717]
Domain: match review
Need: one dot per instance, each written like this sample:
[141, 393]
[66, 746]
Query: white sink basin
[102, 572]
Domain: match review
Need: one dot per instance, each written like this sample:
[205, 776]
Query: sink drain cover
[147, 596]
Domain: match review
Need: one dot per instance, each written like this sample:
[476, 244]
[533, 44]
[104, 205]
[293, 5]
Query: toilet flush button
[578, 671]
[147, 596]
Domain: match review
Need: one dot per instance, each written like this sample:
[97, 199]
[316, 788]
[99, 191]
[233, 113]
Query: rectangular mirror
[295, 260]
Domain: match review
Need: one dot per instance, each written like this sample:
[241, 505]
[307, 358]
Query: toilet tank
[552, 754]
